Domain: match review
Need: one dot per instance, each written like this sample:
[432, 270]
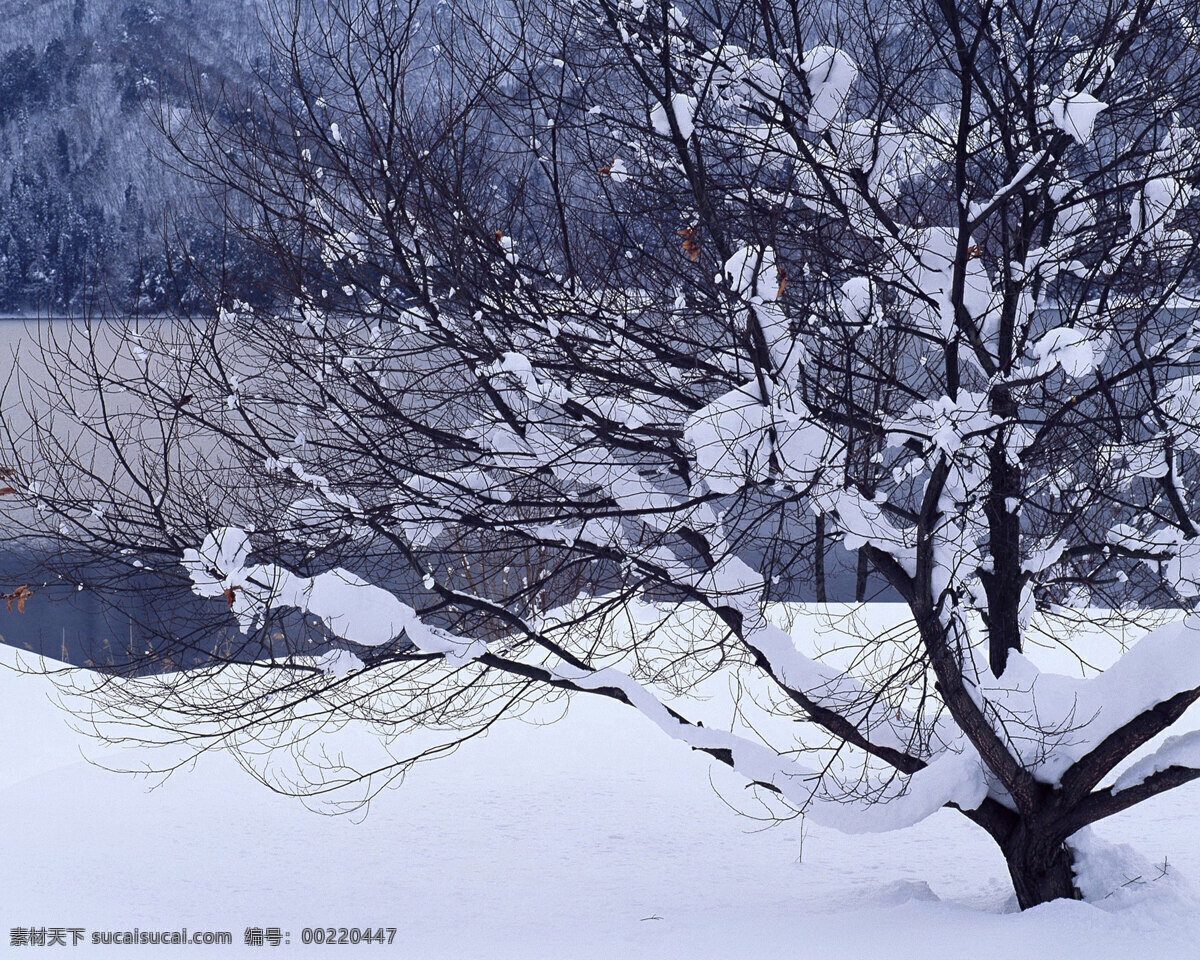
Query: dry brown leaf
[691, 242]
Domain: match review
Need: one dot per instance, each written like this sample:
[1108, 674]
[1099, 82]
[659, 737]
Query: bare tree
[636, 298]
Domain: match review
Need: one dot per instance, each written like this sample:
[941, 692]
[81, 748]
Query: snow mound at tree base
[903, 891]
[1115, 876]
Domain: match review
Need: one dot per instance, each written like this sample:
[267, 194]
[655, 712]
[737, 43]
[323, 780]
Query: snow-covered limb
[953, 777]
[1076, 351]
[840, 702]
[1052, 721]
[367, 615]
[946, 424]
[1174, 553]
[741, 439]
[864, 522]
[1181, 751]
[981, 209]
[349, 606]
[922, 267]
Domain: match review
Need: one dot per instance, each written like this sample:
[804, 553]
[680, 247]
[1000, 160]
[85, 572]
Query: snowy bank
[592, 837]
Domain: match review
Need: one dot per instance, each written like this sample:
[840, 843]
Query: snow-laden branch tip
[1075, 114]
[829, 74]
[683, 111]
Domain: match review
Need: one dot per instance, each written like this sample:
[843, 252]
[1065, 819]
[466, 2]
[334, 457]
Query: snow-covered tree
[594, 308]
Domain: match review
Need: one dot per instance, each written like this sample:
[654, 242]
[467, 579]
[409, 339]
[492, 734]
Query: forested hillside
[89, 217]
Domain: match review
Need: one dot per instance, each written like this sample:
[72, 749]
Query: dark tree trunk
[1003, 581]
[819, 558]
[1041, 867]
[860, 581]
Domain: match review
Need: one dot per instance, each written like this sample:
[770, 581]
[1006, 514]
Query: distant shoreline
[43, 318]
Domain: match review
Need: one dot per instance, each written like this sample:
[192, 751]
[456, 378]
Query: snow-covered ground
[592, 837]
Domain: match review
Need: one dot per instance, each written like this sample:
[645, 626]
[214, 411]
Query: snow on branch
[954, 777]
[1180, 751]
[683, 113]
[351, 607]
[739, 439]
[368, 615]
[1075, 114]
[829, 73]
[1053, 720]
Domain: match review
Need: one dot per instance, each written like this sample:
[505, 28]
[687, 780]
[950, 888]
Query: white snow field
[592, 837]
